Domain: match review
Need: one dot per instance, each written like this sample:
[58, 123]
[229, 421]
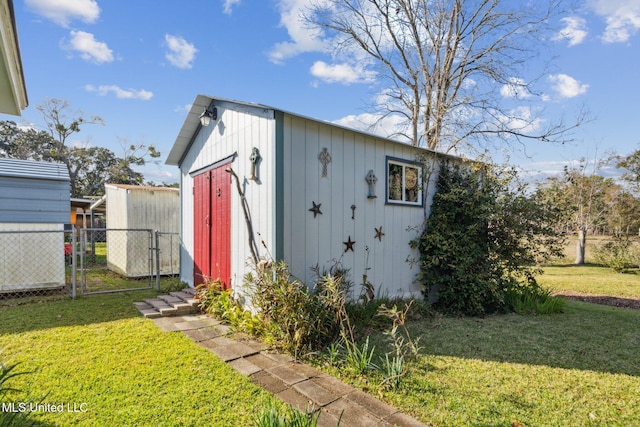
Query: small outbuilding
[34, 206]
[308, 192]
[134, 213]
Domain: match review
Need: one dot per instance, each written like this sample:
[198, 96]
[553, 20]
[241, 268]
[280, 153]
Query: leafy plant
[220, 303]
[401, 339]
[483, 235]
[394, 370]
[297, 319]
[17, 417]
[272, 416]
[619, 255]
[532, 298]
[359, 359]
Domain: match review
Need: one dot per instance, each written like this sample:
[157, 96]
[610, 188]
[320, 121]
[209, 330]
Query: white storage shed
[131, 210]
[315, 194]
[34, 206]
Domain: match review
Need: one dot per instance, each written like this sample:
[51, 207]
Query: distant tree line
[90, 167]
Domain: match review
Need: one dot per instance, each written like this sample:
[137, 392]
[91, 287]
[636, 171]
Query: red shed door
[212, 226]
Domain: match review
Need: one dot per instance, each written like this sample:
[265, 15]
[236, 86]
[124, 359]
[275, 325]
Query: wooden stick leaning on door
[245, 209]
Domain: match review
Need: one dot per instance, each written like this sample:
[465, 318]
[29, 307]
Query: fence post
[74, 265]
[157, 260]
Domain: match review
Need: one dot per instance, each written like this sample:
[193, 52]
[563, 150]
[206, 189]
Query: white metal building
[34, 206]
[316, 193]
[134, 207]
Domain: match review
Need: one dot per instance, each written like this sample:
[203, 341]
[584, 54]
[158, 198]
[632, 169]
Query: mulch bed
[629, 302]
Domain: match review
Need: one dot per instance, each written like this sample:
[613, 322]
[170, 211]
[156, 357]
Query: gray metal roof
[191, 125]
[34, 192]
[33, 170]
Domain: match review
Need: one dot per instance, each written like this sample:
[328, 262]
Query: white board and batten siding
[310, 241]
[231, 139]
[290, 181]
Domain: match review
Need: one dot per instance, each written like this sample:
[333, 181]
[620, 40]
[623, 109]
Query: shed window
[403, 182]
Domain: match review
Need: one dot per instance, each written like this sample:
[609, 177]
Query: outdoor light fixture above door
[208, 115]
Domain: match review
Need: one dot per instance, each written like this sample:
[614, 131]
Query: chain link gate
[115, 260]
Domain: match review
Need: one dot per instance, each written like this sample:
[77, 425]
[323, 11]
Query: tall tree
[632, 164]
[62, 123]
[444, 62]
[29, 143]
[89, 167]
[585, 199]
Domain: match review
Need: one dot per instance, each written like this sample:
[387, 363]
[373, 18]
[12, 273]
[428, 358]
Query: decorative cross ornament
[316, 209]
[254, 159]
[371, 180]
[325, 158]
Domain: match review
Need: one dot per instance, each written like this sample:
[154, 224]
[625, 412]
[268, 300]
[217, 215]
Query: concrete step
[175, 304]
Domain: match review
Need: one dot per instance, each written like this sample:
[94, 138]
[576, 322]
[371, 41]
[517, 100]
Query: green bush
[619, 255]
[220, 303]
[483, 236]
[296, 318]
[531, 298]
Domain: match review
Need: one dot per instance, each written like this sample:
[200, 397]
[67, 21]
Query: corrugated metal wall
[136, 207]
[34, 192]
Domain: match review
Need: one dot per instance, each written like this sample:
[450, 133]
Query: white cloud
[387, 126]
[621, 16]
[62, 12]
[120, 93]
[183, 109]
[574, 30]
[302, 38]
[228, 6]
[181, 53]
[341, 73]
[515, 88]
[522, 120]
[567, 86]
[89, 48]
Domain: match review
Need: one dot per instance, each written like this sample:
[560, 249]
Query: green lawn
[98, 351]
[578, 368]
[591, 279]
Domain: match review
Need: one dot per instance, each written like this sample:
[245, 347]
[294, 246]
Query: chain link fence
[36, 263]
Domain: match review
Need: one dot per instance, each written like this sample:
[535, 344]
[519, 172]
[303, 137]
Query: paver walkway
[297, 384]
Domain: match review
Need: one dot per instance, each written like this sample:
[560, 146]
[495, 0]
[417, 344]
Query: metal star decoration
[379, 233]
[349, 245]
[316, 209]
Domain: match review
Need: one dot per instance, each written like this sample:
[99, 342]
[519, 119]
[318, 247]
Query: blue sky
[139, 64]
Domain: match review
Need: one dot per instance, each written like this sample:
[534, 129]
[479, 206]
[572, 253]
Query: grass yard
[99, 352]
[579, 368]
[591, 279]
